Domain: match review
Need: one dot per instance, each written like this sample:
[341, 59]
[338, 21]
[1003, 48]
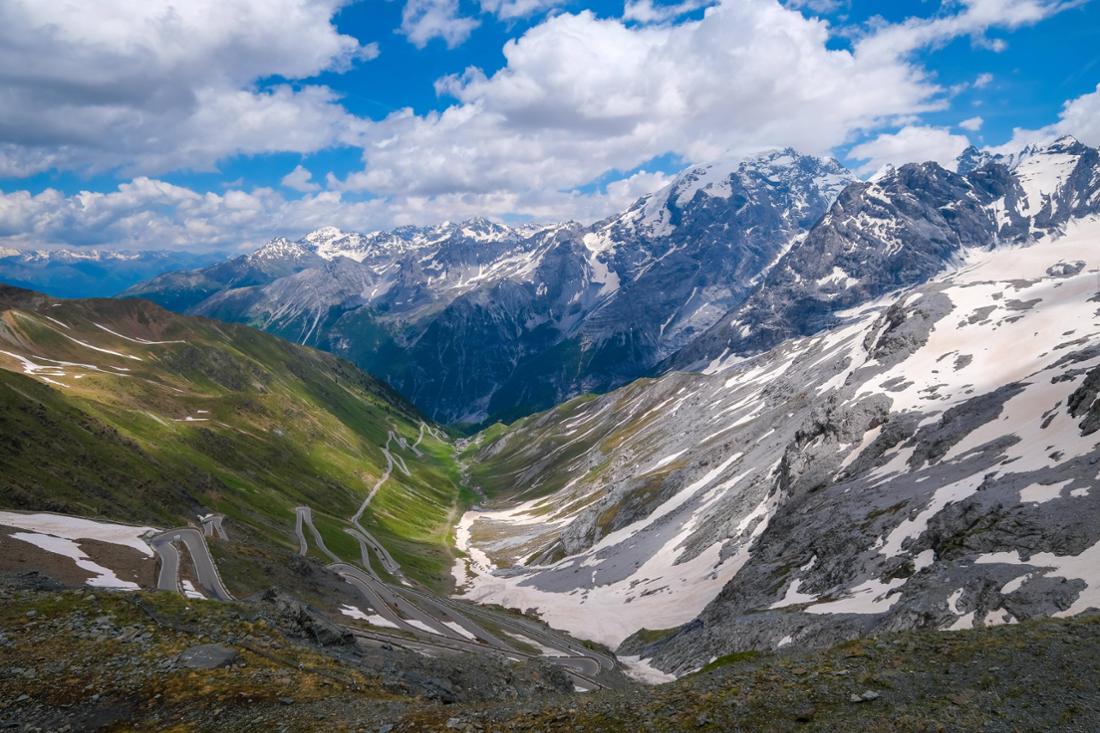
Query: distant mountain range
[91, 273]
[477, 321]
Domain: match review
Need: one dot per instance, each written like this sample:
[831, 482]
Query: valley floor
[147, 662]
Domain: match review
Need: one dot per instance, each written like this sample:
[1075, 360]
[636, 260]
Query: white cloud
[983, 80]
[157, 89]
[154, 85]
[973, 124]
[908, 145]
[582, 95]
[644, 11]
[423, 20]
[300, 179]
[1080, 118]
[148, 213]
[975, 18]
[512, 9]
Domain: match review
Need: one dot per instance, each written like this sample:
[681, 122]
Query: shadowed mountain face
[476, 321]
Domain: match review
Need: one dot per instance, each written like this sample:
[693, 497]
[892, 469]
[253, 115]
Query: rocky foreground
[94, 660]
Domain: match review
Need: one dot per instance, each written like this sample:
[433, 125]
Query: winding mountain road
[303, 514]
[436, 621]
[164, 545]
[378, 484]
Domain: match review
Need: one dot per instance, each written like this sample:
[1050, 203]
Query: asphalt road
[405, 603]
[212, 526]
[206, 572]
[303, 514]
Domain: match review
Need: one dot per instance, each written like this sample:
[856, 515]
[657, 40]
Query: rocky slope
[900, 229]
[928, 462]
[477, 320]
[106, 661]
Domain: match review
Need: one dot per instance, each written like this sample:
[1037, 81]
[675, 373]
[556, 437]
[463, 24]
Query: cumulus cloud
[159, 89]
[907, 145]
[147, 213]
[423, 20]
[983, 80]
[644, 11]
[973, 124]
[581, 95]
[1080, 118]
[154, 85]
[300, 179]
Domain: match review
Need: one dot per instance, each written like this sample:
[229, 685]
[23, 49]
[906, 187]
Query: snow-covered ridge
[330, 242]
[774, 170]
[909, 441]
[72, 255]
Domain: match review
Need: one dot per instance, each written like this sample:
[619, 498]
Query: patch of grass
[729, 659]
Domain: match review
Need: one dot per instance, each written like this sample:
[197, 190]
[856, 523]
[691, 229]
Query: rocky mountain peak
[972, 159]
[323, 235]
[280, 248]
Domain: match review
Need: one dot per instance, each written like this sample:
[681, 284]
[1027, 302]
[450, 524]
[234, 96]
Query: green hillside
[161, 417]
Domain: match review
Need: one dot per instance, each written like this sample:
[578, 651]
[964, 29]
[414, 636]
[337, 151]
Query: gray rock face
[476, 320]
[929, 462]
[207, 656]
[899, 231]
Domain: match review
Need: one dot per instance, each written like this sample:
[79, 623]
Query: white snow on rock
[78, 528]
[102, 577]
[643, 671]
[371, 618]
[190, 591]
[1084, 567]
[1012, 312]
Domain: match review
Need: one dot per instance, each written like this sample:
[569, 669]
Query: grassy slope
[274, 426]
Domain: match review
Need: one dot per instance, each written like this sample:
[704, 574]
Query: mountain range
[865, 407]
[476, 321]
[92, 273]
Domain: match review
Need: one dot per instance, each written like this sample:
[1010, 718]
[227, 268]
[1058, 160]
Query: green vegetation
[169, 417]
[727, 659]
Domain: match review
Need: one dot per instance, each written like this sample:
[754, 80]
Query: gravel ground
[83, 660]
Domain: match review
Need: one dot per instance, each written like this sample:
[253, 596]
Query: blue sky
[221, 124]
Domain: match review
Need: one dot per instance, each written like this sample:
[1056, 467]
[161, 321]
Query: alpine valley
[798, 444]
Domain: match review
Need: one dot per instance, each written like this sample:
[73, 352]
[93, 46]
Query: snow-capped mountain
[475, 319]
[92, 272]
[929, 461]
[899, 230]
